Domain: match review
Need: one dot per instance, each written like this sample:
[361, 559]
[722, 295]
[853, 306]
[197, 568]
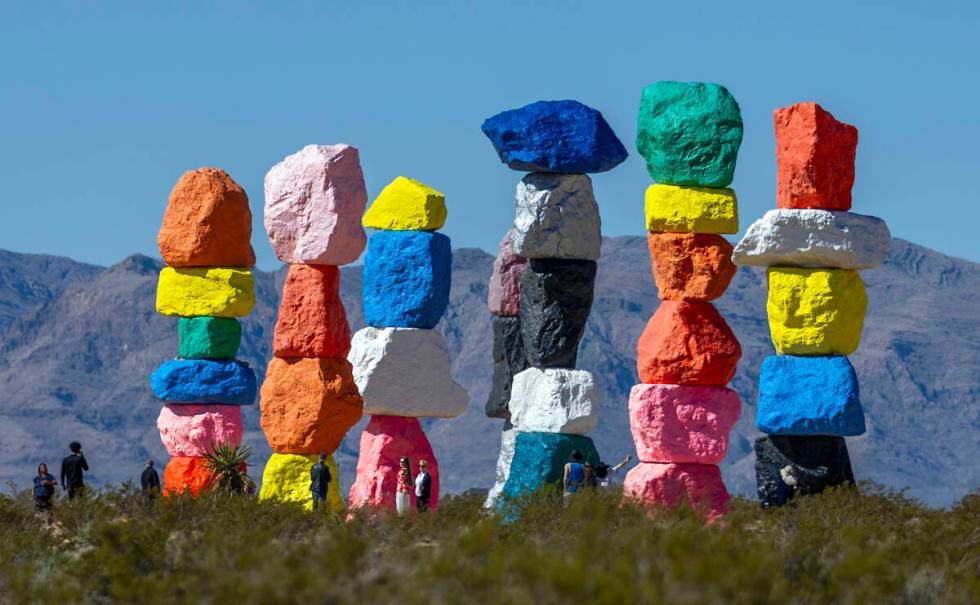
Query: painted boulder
[671, 485]
[556, 298]
[554, 400]
[557, 217]
[312, 321]
[187, 474]
[508, 437]
[286, 478]
[213, 291]
[192, 430]
[204, 381]
[815, 311]
[406, 279]
[504, 292]
[787, 466]
[539, 461]
[690, 266]
[208, 337]
[676, 209]
[809, 396]
[407, 205]
[508, 361]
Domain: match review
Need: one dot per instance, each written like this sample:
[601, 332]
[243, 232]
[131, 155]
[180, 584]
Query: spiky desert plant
[227, 464]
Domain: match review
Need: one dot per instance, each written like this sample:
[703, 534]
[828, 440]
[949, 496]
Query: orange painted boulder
[671, 485]
[308, 404]
[690, 266]
[312, 321]
[687, 343]
[383, 443]
[186, 473]
[207, 222]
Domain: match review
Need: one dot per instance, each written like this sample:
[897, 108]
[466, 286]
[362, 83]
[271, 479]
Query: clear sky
[103, 105]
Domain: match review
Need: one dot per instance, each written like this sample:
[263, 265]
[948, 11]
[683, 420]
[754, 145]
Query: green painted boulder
[209, 337]
[689, 133]
[539, 460]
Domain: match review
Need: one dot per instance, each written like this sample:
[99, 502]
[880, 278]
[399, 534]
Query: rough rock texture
[539, 460]
[815, 463]
[815, 311]
[406, 279]
[406, 204]
[207, 222]
[670, 485]
[311, 321]
[213, 291]
[814, 238]
[504, 292]
[809, 396]
[691, 209]
[557, 217]
[314, 200]
[687, 343]
[186, 473]
[308, 404]
[208, 337]
[689, 133]
[204, 381]
[405, 372]
[554, 136]
[815, 158]
[286, 478]
[191, 430]
[508, 360]
[556, 298]
[385, 440]
[681, 424]
[690, 266]
[554, 400]
[507, 438]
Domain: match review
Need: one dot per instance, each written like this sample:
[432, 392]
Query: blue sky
[104, 105]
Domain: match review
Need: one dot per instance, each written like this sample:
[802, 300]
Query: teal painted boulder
[208, 337]
[689, 133]
[539, 460]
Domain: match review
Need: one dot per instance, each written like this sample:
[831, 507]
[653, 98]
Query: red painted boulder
[186, 473]
[671, 485]
[504, 297]
[687, 343]
[312, 321]
[682, 424]
[385, 440]
[190, 430]
[690, 266]
[815, 158]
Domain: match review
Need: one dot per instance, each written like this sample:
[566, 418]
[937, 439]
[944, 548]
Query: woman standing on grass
[403, 490]
[43, 490]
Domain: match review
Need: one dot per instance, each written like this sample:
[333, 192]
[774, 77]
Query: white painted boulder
[554, 400]
[507, 439]
[557, 217]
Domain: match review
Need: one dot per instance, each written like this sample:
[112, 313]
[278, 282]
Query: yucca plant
[227, 464]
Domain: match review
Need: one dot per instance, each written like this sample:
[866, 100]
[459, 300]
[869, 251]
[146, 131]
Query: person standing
[149, 483]
[574, 476]
[72, 467]
[43, 491]
[403, 487]
[423, 487]
[605, 473]
[320, 482]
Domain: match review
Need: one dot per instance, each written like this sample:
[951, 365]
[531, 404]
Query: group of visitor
[579, 474]
[406, 485]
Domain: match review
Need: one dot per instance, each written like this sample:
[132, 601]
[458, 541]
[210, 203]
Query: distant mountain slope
[78, 343]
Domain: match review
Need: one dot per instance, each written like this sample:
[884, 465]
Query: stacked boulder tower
[681, 415]
[541, 304]
[205, 241]
[314, 200]
[813, 248]
[401, 362]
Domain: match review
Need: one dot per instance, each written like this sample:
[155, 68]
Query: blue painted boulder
[809, 396]
[406, 279]
[554, 136]
[539, 460]
[204, 381]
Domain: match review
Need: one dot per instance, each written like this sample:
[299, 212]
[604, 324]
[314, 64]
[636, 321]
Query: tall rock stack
[401, 363]
[314, 200]
[681, 415]
[538, 324]
[205, 240]
[813, 248]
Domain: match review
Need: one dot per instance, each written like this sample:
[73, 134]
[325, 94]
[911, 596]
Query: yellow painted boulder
[815, 311]
[205, 291]
[675, 209]
[286, 478]
[407, 205]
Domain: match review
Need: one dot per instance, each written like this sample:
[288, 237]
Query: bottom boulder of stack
[671, 485]
[539, 460]
[789, 465]
[186, 473]
[287, 479]
[507, 438]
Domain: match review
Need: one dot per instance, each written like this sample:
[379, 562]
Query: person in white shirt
[423, 487]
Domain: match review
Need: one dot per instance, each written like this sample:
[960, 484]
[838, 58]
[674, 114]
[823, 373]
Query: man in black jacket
[423, 487]
[149, 483]
[320, 481]
[72, 479]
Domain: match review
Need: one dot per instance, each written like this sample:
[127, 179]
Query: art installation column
[813, 248]
[401, 363]
[314, 200]
[205, 240]
[682, 413]
[538, 324]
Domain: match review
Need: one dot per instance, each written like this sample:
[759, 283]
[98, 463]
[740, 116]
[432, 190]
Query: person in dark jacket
[423, 487]
[319, 481]
[72, 467]
[44, 485]
[149, 483]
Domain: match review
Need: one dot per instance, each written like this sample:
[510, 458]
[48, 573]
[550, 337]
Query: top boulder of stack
[407, 205]
[689, 133]
[207, 222]
[554, 136]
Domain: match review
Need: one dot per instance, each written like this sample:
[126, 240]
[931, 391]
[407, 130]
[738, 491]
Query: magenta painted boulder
[383, 443]
[670, 485]
[314, 200]
[504, 298]
[191, 429]
[675, 423]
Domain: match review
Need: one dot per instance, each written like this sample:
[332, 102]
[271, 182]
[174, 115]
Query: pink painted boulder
[504, 298]
[670, 485]
[189, 430]
[314, 200]
[383, 443]
[674, 423]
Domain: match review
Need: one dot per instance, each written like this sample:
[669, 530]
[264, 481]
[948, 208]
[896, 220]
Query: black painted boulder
[786, 466]
[508, 360]
[556, 297]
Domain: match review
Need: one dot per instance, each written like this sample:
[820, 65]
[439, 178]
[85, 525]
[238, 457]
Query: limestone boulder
[407, 204]
[676, 209]
[314, 200]
[504, 292]
[208, 337]
[406, 279]
[556, 298]
[554, 400]
[787, 466]
[204, 381]
[286, 478]
[815, 311]
[690, 266]
[192, 430]
[312, 321]
[539, 460]
[557, 217]
[405, 372]
[507, 438]
[384, 442]
[205, 291]
[809, 396]
[187, 474]
[671, 485]
[508, 360]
